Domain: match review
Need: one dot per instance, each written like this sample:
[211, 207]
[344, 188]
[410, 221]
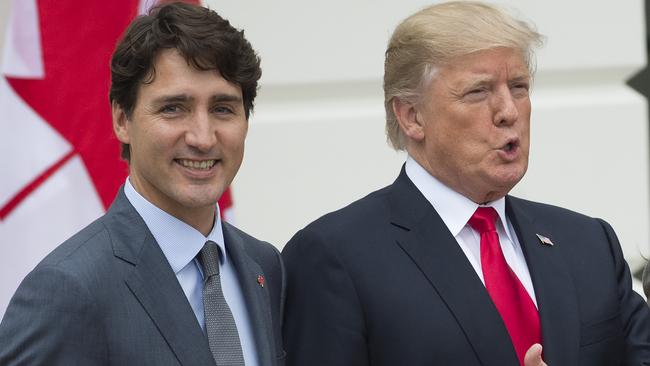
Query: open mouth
[510, 146]
[197, 164]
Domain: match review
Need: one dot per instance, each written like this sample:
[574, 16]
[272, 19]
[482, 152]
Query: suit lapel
[426, 240]
[153, 283]
[554, 288]
[256, 296]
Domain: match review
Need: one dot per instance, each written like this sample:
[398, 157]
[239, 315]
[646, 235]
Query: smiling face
[186, 136]
[471, 130]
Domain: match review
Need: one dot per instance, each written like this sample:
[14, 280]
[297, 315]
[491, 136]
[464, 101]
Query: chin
[200, 199]
[505, 186]
[512, 174]
[505, 182]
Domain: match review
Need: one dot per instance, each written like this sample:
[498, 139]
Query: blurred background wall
[316, 140]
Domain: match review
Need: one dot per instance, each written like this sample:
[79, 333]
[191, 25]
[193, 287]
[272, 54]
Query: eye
[170, 109]
[475, 94]
[520, 89]
[223, 110]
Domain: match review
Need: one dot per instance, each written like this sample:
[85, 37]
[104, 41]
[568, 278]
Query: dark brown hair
[200, 35]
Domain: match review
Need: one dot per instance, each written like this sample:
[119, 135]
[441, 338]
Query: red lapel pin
[260, 280]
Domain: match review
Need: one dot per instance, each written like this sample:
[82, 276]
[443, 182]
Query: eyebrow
[171, 99]
[474, 83]
[478, 81]
[181, 98]
[522, 77]
[226, 98]
[487, 79]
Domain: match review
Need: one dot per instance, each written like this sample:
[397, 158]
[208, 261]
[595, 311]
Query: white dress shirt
[181, 243]
[456, 210]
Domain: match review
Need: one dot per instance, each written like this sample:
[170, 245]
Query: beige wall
[316, 140]
[4, 14]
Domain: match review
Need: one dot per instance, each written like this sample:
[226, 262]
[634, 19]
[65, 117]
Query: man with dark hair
[160, 279]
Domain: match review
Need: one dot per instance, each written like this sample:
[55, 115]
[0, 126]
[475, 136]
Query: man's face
[475, 121]
[187, 136]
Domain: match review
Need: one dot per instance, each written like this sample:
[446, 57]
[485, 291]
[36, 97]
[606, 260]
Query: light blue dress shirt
[180, 244]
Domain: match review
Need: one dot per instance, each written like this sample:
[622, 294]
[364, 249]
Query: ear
[120, 123]
[409, 119]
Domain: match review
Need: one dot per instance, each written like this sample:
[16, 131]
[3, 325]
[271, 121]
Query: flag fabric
[61, 167]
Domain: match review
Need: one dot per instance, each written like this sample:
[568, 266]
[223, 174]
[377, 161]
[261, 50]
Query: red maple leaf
[77, 41]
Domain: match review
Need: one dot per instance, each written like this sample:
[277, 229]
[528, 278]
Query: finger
[534, 356]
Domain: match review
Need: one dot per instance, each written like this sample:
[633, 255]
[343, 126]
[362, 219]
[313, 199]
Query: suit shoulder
[347, 227]
[539, 210]
[64, 279]
[362, 212]
[75, 251]
[554, 218]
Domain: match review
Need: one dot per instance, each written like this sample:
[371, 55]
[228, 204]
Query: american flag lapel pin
[544, 240]
[260, 280]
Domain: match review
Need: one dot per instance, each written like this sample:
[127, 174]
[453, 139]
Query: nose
[200, 133]
[505, 108]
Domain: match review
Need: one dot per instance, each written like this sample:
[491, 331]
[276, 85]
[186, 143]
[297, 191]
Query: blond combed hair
[435, 36]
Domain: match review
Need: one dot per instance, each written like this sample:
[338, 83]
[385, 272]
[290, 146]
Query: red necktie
[508, 294]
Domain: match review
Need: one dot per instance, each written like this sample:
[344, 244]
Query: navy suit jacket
[383, 282]
[108, 296]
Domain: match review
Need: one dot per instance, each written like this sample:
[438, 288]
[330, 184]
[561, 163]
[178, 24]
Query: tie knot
[209, 259]
[483, 219]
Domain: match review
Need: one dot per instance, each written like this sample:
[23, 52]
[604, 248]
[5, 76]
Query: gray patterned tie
[219, 322]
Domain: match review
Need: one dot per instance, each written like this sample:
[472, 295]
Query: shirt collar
[179, 242]
[454, 208]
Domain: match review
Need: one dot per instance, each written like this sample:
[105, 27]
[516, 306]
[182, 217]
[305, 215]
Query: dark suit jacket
[383, 282]
[108, 296]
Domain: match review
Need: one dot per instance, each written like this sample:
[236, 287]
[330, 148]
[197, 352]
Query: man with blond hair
[443, 267]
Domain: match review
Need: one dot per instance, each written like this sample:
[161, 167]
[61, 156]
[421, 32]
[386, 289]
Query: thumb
[534, 356]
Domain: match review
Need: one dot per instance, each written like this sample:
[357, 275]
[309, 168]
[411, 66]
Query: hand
[534, 356]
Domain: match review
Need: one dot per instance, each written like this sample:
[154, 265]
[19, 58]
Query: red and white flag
[60, 161]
